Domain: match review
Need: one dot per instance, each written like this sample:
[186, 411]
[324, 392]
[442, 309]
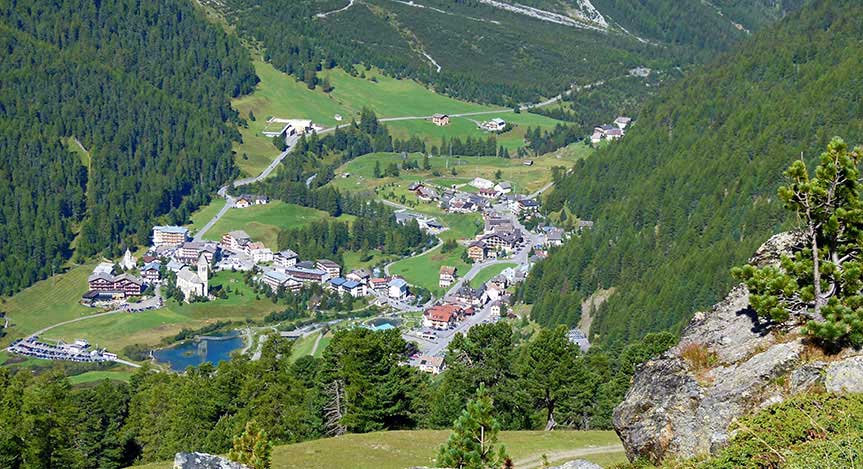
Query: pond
[194, 353]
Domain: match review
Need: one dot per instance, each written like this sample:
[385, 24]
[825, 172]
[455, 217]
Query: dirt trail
[535, 462]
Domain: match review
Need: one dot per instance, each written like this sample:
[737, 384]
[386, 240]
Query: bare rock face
[204, 461]
[728, 363]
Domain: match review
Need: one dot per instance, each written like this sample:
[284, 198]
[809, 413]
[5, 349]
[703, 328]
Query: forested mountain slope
[144, 87]
[488, 50]
[691, 190]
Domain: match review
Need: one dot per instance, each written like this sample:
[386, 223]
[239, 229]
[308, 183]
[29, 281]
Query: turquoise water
[382, 324]
[192, 353]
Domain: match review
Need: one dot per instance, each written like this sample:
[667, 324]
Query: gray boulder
[204, 461]
[845, 375]
[678, 408]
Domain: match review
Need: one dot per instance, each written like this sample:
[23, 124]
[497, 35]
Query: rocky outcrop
[728, 363]
[204, 461]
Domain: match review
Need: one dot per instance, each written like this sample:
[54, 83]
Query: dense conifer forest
[358, 385]
[487, 54]
[144, 88]
[691, 190]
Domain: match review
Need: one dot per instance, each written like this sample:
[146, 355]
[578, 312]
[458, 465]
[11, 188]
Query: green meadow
[261, 222]
[489, 272]
[281, 95]
[525, 179]
[96, 376]
[47, 302]
[400, 449]
[424, 270]
[149, 327]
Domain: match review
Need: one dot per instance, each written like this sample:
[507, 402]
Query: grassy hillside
[262, 222]
[281, 95]
[400, 449]
[691, 190]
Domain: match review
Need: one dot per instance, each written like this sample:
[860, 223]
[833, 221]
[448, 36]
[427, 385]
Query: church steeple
[203, 273]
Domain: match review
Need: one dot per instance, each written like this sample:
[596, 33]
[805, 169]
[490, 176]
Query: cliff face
[728, 363]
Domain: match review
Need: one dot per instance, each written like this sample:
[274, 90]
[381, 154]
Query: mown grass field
[47, 302]
[261, 222]
[489, 272]
[525, 179]
[149, 327]
[95, 376]
[282, 96]
[206, 213]
[425, 270]
[401, 449]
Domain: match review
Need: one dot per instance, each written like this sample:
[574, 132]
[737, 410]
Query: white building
[169, 235]
[129, 262]
[495, 125]
[194, 283]
[398, 288]
[259, 253]
[482, 183]
[285, 259]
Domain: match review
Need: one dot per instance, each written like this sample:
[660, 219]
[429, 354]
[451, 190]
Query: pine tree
[473, 442]
[824, 279]
[377, 170]
[253, 448]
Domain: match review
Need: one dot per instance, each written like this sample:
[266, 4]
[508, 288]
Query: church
[194, 284]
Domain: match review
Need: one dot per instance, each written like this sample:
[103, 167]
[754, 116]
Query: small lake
[194, 353]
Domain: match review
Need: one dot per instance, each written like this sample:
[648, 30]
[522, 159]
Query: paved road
[324, 15]
[229, 204]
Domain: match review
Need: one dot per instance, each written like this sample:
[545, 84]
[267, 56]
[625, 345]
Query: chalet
[440, 120]
[276, 280]
[503, 187]
[496, 308]
[119, 286]
[189, 252]
[596, 137]
[235, 241]
[426, 194]
[433, 365]
[414, 186]
[477, 251]
[503, 240]
[447, 276]
[398, 288]
[554, 237]
[495, 125]
[285, 259]
[481, 183]
[247, 200]
[488, 193]
[499, 282]
[492, 293]
[622, 122]
[380, 285]
[468, 296]
[151, 272]
[360, 276]
[258, 252]
[524, 206]
[169, 235]
[330, 267]
[304, 275]
[441, 317]
[613, 134]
